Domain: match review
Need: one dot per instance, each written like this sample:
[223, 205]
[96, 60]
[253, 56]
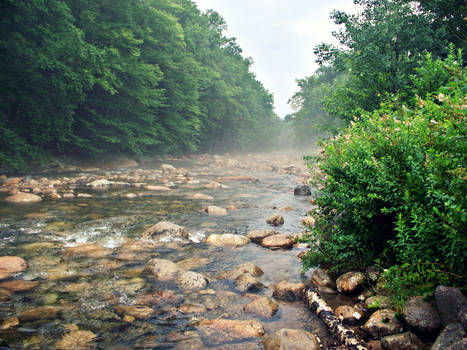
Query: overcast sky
[280, 36]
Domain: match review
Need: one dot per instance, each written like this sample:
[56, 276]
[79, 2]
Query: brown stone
[277, 241]
[190, 280]
[140, 312]
[221, 331]
[348, 314]
[192, 309]
[10, 265]
[383, 323]
[164, 270]
[156, 188]
[247, 282]
[227, 239]
[215, 211]
[403, 341]
[258, 235]
[10, 323]
[88, 250]
[291, 339]
[275, 220]
[19, 285]
[202, 196]
[75, 340]
[350, 282]
[262, 306]
[288, 291]
[40, 313]
[320, 278]
[23, 198]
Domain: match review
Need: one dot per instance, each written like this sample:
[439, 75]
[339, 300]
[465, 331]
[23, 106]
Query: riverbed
[87, 287]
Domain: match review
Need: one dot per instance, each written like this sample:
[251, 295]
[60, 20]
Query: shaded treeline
[123, 76]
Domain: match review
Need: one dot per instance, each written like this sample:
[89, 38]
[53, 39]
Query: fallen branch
[344, 334]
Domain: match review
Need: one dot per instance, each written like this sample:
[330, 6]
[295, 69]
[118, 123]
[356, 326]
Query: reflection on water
[86, 287]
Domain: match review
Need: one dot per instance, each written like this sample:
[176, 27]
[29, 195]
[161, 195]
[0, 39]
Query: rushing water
[87, 289]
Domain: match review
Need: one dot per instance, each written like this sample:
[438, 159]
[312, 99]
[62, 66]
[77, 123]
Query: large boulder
[280, 241]
[403, 341]
[19, 285]
[221, 331]
[302, 190]
[350, 282]
[165, 230]
[23, 198]
[275, 220]
[452, 333]
[257, 236]
[262, 307]
[383, 323]
[421, 316]
[449, 301]
[290, 339]
[289, 291]
[227, 239]
[9, 265]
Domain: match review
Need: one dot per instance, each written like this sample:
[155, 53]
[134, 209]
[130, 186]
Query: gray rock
[403, 341]
[451, 334]
[421, 316]
[292, 339]
[449, 302]
[383, 323]
[246, 282]
[165, 230]
[458, 345]
[463, 316]
[192, 281]
[302, 190]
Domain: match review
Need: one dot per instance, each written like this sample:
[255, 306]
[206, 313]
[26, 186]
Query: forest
[140, 77]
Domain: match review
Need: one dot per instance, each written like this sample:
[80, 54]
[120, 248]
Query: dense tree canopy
[123, 76]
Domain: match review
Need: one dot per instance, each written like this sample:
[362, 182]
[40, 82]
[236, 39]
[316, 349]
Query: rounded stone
[421, 316]
[302, 190]
[350, 282]
[23, 198]
[277, 241]
[382, 323]
[275, 220]
[292, 339]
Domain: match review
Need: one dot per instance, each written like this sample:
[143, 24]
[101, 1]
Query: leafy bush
[394, 189]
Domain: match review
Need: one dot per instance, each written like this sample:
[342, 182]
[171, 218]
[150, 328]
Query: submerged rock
[23, 198]
[246, 282]
[289, 291]
[275, 220]
[202, 196]
[9, 265]
[164, 270]
[302, 190]
[292, 339]
[156, 188]
[262, 306]
[221, 331]
[100, 183]
[88, 250]
[140, 312]
[165, 230]
[75, 340]
[19, 285]
[40, 313]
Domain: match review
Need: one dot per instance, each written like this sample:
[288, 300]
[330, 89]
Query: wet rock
[449, 301]
[192, 281]
[375, 345]
[403, 341]
[462, 315]
[202, 196]
[302, 190]
[378, 302]
[164, 230]
[99, 183]
[451, 334]
[292, 339]
[23, 198]
[193, 263]
[77, 287]
[168, 168]
[156, 188]
[275, 220]
[262, 306]
[40, 313]
[9, 323]
[227, 239]
[248, 268]
[139, 312]
[130, 195]
[5, 294]
[9, 265]
[308, 221]
[215, 211]
[421, 316]
[215, 185]
[192, 309]
[350, 282]
[19, 285]
[88, 250]
[164, 270]
[247, 282]
[68, 196]
[288, 291]
[76, 340]
[257, 236]
[84, 195]
[348, 314]
[238, 178]
[232, 208]
[221, 331]
[160, 299]
[320, 278]
[382, 323]
[279, 241]
[285, 209]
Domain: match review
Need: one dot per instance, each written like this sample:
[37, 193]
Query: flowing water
[88, 288]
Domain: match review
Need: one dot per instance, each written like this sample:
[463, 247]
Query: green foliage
[395, 187]
[135, 77]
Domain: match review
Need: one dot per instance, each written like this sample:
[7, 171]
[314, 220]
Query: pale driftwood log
[344, 334]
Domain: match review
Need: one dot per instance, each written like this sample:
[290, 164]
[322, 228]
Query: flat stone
[449, 301]
[257, 236]
[202, 196]
[350, 282]
[88, 250]
[40, 313]
[19, 285]
[9, 323]
[421, 316]
[275, 220]
[403, 341]
[23, 198]
[262, 306]
[215, 211]
[221, 331]
[227, 239]
[192, 281]
[451, 334]
[289, 291]
[157, 188]
[382, 323]
[76, 340]
[165, 230]
[281, 241]
[285, 209]
[164, 270]
[100, 183]
[9, 265]
[291, 339]
[192, 309]
[139, 312]
[348, 314]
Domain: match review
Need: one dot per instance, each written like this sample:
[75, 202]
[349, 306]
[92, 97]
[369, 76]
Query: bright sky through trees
[280, 36]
